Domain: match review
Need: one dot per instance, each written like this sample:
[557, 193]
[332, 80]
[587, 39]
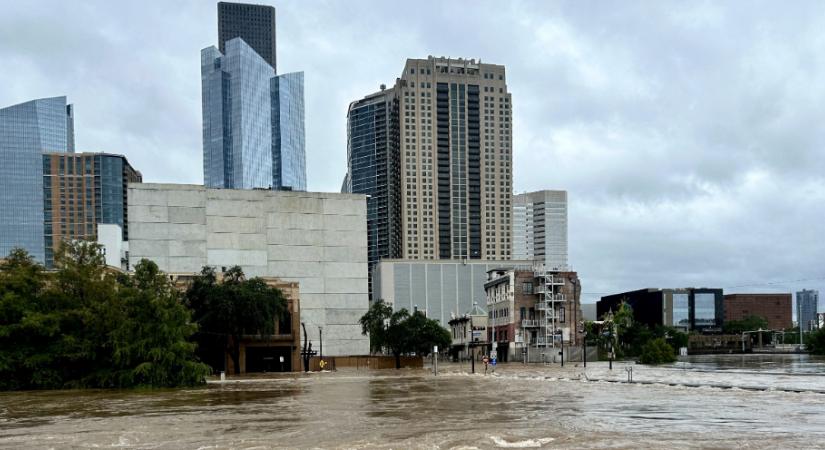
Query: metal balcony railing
[529, 323]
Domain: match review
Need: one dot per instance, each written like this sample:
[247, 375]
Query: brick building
[535, 309]
[775, 308]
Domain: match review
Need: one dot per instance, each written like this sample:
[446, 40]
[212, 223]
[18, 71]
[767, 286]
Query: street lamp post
[321, 344]
[583, 331]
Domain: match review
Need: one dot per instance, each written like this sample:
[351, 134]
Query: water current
[752, 401]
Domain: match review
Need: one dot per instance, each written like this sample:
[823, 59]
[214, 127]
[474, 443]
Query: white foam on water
[528, 443]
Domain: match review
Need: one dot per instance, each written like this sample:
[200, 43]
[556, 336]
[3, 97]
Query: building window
[561, 314]
[527, 288]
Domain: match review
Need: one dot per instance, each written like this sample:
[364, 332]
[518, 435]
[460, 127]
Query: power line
[770, 283]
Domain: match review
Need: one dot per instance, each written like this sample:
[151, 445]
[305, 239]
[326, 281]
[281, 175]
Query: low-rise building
[469, 333]
[277, 352]
[532, 309]
[688, 309]
[441, 288]
[775, 308]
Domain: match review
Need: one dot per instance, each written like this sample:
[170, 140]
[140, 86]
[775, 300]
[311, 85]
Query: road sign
[493, 354]
[493, 361]
[435, 349]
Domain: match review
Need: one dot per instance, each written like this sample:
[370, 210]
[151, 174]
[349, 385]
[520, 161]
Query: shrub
[657, 351]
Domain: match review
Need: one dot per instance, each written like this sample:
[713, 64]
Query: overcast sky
[690, 135]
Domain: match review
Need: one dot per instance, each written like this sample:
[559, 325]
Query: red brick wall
[776, 308]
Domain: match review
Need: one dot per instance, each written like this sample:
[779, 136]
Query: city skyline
[682, 173]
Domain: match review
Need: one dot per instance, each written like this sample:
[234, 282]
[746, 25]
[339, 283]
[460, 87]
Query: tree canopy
[816, 342]
[82, 326]
[229, 310]
[373, 323]
[401, 332]
[630, 337]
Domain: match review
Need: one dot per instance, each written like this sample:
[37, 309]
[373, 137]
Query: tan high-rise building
[455, 118]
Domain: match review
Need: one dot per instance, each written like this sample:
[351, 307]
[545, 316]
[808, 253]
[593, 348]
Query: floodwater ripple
[518, 407]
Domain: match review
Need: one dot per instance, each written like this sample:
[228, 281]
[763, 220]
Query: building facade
[442, 288]
[27, 130]
[288, 139]
[807, 302]
[255, 24]
[469, 334]
[688, 309]
[253, 121]
[317, 240]
[532, 309]
[277, 352]
[540, 228]
[373, 169]
[82, 191]
[777, 309]
[455, 159]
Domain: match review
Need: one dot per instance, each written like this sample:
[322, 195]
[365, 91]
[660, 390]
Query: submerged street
[518, 406]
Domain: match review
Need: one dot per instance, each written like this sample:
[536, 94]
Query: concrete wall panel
[237, 257]
[185, 214]
[195, 249]
[295, 253]
[188, 198]
[345, 270]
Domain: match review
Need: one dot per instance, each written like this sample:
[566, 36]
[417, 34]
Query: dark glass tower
[255, 24]
[373, 169]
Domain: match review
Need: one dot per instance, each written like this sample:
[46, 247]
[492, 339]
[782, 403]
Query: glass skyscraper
[288, 157]
[255, 24]
[807, 302]
[373, 169]
[27, 131]
[253, 123]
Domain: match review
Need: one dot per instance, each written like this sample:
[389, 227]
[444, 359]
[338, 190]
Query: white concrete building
[438, 287]
[540, 228]
[115, 249]
[316, 239]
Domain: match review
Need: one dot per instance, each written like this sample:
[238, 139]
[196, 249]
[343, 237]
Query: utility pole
[321, 345]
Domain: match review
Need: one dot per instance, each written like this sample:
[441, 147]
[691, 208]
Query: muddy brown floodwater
[702, 403]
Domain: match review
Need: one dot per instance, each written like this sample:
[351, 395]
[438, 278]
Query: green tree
[405, 333]
[397, 338]
[657, 351]
[423, 334]
[151, 344]
[83, 293]
[816, 342]
[234, 308]
[27, 325]
[83, 327]
[373, 323]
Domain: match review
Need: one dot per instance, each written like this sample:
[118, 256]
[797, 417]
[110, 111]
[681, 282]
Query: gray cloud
[688, 134]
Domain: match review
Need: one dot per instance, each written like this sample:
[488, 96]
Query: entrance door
[268, 359]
